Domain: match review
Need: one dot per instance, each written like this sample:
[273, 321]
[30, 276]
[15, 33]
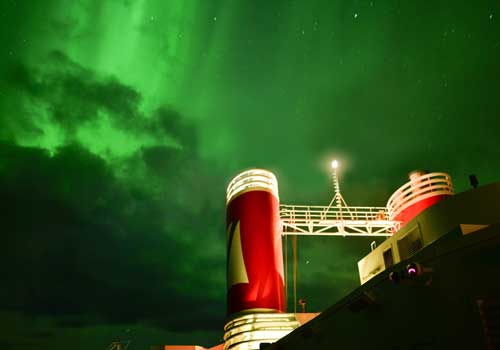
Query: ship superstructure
[431, 281]
[434, 284]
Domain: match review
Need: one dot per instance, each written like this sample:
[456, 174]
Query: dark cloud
[168, 121]
[74, 96]
[84, 247]
[161, 160]
[109, 242]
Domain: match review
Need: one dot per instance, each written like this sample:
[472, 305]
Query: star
[355, 15]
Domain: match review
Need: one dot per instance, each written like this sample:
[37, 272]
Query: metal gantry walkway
[336, 221]
[339, 219]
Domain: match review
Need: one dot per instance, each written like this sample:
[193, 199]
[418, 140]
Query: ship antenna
[336, 185]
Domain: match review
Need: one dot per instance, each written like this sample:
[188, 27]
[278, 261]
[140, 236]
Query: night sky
[121, 123]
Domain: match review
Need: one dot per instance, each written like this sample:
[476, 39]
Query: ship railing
[254, 178]
[422, 187]
[336, 220]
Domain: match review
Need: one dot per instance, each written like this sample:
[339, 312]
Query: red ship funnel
[254, 251]
[422, 191]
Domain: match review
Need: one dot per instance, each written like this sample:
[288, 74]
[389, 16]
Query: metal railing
[422, 187]
[253, 178]
[336, 221]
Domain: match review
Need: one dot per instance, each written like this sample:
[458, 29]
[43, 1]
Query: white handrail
[336, 221]
[303, 212]
[252, 178]
[422, 187]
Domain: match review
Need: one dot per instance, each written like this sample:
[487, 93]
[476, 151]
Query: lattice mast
[337, 197]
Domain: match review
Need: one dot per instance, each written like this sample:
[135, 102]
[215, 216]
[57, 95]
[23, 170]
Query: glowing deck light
[335, 164]
[413, 269]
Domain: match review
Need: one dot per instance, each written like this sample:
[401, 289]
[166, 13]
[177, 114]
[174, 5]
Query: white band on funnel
[253, 178]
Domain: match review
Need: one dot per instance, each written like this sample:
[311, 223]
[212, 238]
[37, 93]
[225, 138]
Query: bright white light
[335, 164]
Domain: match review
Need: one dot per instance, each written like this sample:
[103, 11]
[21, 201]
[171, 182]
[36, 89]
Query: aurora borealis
[121, 123]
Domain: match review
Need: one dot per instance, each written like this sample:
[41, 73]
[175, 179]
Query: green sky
[121, 122]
